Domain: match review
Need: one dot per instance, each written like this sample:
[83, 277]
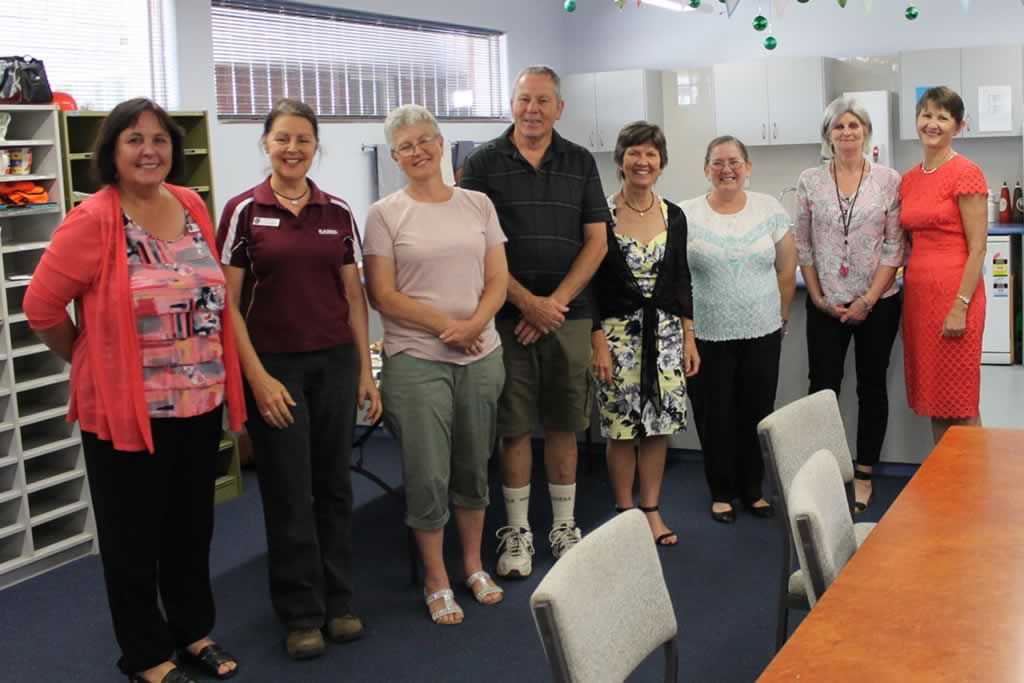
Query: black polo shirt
[293, 296]
[542, 211]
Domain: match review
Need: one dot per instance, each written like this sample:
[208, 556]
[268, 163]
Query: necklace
[937, 166]
[649, 207]
[847, 214]
[294, 200]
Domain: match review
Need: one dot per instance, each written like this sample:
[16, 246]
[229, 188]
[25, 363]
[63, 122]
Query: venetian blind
[349, 64]
[101, 52]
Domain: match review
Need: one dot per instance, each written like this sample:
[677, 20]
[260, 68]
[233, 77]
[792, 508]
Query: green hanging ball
[770, 43]
[842, 3]
[911, 13]
[569, 5]
[803, 2]
[694, 4]
[760, 23]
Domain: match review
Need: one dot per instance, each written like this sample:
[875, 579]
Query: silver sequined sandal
[487, 587]
[450, 606]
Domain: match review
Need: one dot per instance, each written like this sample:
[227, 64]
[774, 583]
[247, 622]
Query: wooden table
[936, 593]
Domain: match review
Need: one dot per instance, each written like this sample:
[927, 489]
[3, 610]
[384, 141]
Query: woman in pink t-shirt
[436, 272]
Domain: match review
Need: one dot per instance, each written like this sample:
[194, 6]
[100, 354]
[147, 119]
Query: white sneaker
[516, 560]
[562, 538]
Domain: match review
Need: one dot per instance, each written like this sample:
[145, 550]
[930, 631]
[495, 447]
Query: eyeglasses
[407, 149]
[719, 164]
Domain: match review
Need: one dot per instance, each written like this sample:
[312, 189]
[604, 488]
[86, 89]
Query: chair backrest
[821, 522]
[604, 607]
[792, 433]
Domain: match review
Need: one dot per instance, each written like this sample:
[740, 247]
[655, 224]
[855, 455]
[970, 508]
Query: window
[101, 52]
[349, 64]
[686, 85]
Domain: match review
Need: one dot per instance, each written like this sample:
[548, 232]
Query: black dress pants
[827, 343]
[306, 486]
[734, 390]
[154, 520]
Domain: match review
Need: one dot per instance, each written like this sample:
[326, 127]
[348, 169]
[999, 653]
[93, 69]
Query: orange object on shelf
[64, 101]
[23, 192]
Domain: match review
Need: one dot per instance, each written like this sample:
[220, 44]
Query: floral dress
[622, 415]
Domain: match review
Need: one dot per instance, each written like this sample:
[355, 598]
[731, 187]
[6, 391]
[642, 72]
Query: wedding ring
[267, 414]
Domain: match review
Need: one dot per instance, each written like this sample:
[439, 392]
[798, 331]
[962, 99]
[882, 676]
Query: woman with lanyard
[849, 245]
[288, 250]
[644, 348]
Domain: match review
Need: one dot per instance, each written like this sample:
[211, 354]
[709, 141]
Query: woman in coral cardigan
[152, 363]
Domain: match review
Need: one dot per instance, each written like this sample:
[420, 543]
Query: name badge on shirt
[327, 231]
[260, 221]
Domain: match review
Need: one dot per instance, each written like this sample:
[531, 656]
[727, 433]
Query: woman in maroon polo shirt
[289, 254]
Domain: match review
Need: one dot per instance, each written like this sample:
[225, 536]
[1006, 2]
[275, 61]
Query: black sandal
[859, 507]
[209, 660]
[619, 510]
[172, 676]
[660, 540]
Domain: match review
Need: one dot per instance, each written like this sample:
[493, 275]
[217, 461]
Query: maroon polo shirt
[293, 297]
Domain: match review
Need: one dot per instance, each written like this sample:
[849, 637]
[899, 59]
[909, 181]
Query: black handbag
[23, 81]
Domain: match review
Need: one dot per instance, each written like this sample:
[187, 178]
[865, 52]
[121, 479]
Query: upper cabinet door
[579, 123]
[985, 73]
[622, 97]
[797, 96]
[919, 71]
[741, 102]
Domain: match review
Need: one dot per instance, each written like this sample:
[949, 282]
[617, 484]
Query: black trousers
[827, 343]
[734, 390]
[305, 483]
[154, 519]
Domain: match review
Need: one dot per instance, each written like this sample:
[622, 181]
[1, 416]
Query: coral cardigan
[87, 261]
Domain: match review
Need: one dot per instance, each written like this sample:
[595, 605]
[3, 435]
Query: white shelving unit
[46, 515]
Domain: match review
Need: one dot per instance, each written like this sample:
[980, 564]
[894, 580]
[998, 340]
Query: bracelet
[864, 300]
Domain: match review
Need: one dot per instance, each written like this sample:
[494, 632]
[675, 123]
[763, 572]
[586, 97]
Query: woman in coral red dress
[944, 213]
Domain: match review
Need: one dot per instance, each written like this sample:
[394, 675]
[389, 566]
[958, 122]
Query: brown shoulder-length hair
[944, 98]
[124, 116]
[640, 133]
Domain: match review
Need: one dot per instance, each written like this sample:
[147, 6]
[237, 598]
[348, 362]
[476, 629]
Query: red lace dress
[943, 376]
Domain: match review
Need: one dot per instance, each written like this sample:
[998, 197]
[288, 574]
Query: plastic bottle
[1005, 212]
[1017, 215]
[993, 207]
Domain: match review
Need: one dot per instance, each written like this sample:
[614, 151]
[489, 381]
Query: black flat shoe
[726, 517]
[763, 511]
[172, 676]
[859, 507]
[210, 659]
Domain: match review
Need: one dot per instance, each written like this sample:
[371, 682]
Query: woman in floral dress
[644, 347]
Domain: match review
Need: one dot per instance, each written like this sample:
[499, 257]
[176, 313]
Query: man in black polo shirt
[548, 195]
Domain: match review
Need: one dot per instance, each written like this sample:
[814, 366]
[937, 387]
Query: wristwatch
[965, 299]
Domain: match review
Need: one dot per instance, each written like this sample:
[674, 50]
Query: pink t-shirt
[438, 250]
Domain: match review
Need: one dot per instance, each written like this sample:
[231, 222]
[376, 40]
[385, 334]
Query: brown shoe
[304, 643]
[343, 629]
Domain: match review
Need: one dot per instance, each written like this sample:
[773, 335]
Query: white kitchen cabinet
[773, 102]
[598, 105]
[965, 71]
[991, 66]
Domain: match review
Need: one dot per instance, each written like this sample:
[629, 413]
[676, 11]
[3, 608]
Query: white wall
[536, 34]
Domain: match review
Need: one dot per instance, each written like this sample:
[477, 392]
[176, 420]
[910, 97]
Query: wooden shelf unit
[79, 130]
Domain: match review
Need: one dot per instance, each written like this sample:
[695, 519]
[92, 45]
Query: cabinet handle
[764, 131]
[590, 139]
[775, 131]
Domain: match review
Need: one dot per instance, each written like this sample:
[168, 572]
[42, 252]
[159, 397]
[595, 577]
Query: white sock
[517, 506]
[563, 502]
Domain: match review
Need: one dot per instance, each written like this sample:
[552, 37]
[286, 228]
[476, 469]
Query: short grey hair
[539, 70]
[836, 108]
[405, 116]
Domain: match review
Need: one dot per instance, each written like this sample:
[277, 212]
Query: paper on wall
[995, 108]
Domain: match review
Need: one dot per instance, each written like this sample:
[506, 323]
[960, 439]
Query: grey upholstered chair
[789, 436]
[604, 607]
[821, 524]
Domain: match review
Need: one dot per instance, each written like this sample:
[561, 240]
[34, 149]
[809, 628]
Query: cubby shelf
[46, 515]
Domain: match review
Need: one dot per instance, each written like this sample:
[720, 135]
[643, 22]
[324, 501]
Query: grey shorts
[443, 416]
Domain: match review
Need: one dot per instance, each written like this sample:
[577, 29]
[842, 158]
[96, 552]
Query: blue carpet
[722, 580]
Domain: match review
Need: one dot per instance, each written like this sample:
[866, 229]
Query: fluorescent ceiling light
[673, 5]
